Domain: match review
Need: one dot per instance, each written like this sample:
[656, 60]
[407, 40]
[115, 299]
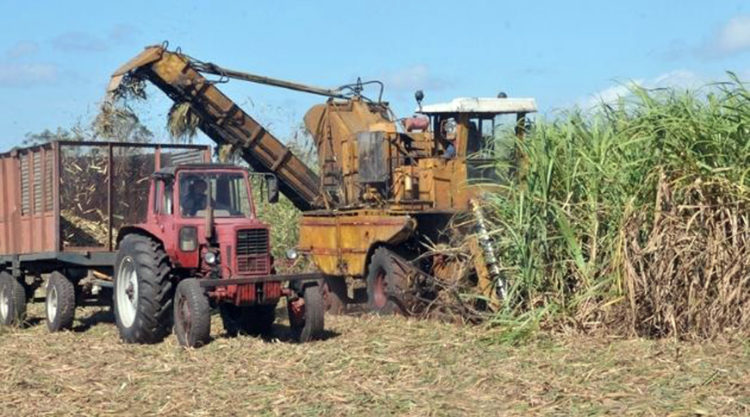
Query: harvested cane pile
[84, 195]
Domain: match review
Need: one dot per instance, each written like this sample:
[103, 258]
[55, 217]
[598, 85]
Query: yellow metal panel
[339, 244]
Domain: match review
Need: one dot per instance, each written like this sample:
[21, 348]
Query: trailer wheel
[142, 290]
[12, 301]
[306, 314]
[254, 320]
[384, 284]
[60, 302]
[192, 314]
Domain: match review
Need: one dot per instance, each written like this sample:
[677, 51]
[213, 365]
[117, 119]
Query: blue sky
[56, 56]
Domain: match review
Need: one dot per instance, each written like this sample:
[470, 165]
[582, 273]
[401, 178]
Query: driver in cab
[195, 200]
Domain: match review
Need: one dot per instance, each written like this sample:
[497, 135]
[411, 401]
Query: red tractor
[202, 236]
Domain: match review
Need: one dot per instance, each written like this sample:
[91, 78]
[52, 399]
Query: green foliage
[564, 231]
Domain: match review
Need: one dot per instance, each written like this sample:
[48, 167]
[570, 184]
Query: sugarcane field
[475, 209]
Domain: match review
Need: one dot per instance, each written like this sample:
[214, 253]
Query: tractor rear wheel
[385, 285]
[254, 320]
[192, 314]
[306, 314]
[142, 290]
[60, 302]
[12, 301]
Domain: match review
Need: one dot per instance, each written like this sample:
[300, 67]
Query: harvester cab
[472, 123]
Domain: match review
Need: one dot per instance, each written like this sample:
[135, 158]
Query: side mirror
[272, 183]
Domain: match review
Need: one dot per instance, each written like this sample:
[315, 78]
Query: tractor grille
[252, 251]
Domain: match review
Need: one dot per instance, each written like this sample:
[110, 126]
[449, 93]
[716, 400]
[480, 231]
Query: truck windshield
[228, 191]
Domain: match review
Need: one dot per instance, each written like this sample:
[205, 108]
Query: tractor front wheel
[335, 295]
[192, 314]
[306, 314]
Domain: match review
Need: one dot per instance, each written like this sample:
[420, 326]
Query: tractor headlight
[292, 254]
[188, 239]
[211, 258]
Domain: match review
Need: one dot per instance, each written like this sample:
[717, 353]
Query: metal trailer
[45, 189]
[61, 207]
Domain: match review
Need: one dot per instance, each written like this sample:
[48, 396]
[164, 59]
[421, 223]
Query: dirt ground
[366, 366]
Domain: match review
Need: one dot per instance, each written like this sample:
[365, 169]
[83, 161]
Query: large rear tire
[254, 320]
[143, 290]
[385, 286]
[12, 301]
[306, 314]
[60, 302]
[192, 314]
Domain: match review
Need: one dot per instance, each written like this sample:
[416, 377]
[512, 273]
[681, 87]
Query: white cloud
[680, 79]
[413, 78]
[731, 38]
[24, 75]
[21, 49]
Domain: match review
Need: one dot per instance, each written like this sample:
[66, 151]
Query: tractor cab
[205, 215]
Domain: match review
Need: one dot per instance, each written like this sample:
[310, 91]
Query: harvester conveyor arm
[209, 68]
[223, 121]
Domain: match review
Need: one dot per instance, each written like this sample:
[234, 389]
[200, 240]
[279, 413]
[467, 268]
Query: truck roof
[481, 105]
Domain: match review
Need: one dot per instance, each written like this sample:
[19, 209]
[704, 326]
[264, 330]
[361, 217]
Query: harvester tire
[192, 314]
[384, 285]
[60, 302]
[307, 318]
[12, 301]
[254, 320]
[143, 290]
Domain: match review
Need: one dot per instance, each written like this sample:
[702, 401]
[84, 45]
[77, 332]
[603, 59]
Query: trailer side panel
[27, 220]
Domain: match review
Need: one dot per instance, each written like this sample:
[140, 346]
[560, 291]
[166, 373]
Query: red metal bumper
[213, 283]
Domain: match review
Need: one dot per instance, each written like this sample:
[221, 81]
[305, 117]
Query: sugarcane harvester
[387, 194]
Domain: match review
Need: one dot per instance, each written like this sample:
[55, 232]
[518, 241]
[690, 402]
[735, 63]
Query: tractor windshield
[228, 193]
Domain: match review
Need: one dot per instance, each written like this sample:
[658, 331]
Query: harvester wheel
[306, 314]
[60, 302]
[142, 290]
[254, 320]
[334, 294]
[12, 301]
[384, 284]
[192, 314]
